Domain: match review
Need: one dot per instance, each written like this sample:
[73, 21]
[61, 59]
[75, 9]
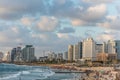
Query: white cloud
[90, 16]
[63, 35]
[105, 37]
[112, 22]
[27, 21]
[98, 1]
[47, 23]
[3, 38]
[78, 22]
[96, 12]
[108, 34]
[15, 30]
[2, 10]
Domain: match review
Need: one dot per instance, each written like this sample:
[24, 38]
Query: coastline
[91, 73]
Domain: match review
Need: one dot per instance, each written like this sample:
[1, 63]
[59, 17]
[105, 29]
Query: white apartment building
[89, 52]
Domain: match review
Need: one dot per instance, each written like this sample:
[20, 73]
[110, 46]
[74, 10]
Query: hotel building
[89, 52]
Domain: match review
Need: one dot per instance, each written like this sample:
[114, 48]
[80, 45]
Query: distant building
[1, 56]
[52, 56]
[13, 54]
[112, 56]
[114, 47]
[16, 54]
[43, 59]
[77, 51]
[89, 52]
[8, 57]
[111, 46]
[80, 49]
[106, 57]
[60, 56]
[28, 53]
[76, 54]
[102, 57]
[105, 47]
[65, 57]
[99, 48]
[70, 53]
[117, 43]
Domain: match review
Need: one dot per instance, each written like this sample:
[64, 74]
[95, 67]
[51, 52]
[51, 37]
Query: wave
[35, 74]
[11, 76]
[12, 71]
[25, 72]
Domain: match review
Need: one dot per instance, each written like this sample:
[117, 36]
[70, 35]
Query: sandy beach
[91, 73]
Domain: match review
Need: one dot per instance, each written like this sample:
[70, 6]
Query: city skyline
[54, 24]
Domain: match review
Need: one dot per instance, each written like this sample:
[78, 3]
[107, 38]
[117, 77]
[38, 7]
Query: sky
[51, 25]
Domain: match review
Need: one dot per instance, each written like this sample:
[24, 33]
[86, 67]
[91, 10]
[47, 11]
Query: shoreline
[91, 73]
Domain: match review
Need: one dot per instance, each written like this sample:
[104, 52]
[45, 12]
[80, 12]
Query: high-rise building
[111, 46]
[77, 51]
[16, 54]
[70, 53]
[76, 54]
[28, 53]
[60, 56]
[13, 54]
[80, 49]
[105, 47]
[117, 43]
[89, 52]
[65, 56]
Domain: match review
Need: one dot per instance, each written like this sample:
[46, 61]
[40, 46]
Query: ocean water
[23, 72]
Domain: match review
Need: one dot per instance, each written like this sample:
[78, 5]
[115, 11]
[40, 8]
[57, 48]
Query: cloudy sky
[50, 25]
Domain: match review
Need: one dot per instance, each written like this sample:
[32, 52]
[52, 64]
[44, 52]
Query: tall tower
[89, 52]
[77, 51]
[70, 52]
[76, 54]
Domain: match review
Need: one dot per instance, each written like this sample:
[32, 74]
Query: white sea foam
[11, 76]
[25, 72]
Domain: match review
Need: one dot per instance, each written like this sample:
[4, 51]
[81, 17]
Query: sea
[24, 72]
